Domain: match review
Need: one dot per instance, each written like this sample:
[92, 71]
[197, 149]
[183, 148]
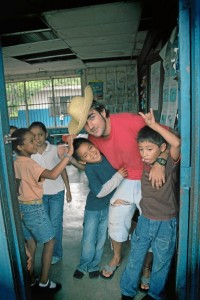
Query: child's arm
[67, 185]
[63, 148]
[171, 138]
[77, 164]
[157, 173]
[111, 184]
[56, 171]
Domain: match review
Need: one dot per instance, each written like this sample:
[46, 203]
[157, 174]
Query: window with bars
[42, 100]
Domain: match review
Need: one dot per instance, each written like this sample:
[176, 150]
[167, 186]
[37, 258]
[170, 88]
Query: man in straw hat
[115, 136]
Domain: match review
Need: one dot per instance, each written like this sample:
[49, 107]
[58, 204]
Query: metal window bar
[41, 100]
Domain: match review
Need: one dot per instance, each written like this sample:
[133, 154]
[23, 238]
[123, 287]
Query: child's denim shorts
[36, 223]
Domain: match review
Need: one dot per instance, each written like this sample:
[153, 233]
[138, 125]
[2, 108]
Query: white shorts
[120, 215]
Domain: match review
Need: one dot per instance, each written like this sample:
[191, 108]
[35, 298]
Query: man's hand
[157, 176]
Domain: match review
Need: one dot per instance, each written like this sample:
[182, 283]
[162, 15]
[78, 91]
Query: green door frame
[13, 272]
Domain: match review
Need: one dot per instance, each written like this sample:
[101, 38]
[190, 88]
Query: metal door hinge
[8, 139]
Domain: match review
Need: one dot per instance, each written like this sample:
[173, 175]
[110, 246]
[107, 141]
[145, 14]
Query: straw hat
[78, 110]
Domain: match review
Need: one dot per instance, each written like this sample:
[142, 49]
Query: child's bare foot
[144, 286]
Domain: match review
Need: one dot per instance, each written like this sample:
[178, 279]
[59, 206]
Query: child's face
[89, 153]
[39, 135]
[150, 151]
[29, 146]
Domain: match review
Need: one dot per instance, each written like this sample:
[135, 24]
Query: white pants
[120, 215]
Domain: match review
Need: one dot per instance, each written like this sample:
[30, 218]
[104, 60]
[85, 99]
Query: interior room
[135, 55]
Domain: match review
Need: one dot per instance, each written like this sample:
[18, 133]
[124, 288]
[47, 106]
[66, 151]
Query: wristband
[67, 155]
[161, 161]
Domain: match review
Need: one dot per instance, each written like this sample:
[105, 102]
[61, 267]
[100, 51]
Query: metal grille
[42, 100]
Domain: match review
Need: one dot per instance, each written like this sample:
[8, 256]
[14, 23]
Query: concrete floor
[86, 288]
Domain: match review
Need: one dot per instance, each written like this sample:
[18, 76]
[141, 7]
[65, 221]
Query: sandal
[144, 285]
[109, 269]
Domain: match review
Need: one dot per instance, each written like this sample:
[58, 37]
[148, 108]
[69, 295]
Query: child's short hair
[13, 127]
[77, 143]
[38, 124]
[19, 136]
[147, 134]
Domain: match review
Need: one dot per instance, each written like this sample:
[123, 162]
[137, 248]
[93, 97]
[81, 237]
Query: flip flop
[110, 269]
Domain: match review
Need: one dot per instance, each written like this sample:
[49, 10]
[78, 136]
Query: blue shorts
[36, 223]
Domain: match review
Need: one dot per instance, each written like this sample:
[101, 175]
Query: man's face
[96, 123]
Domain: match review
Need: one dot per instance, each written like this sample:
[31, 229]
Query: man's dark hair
[100, 108]
[146, 134]
[77, 143]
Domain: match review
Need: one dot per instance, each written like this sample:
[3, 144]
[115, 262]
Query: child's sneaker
[34, 286]
[78, 274]
[34, 283]
[94, 274]
[126, 297]
[50, 286]
[148, 297]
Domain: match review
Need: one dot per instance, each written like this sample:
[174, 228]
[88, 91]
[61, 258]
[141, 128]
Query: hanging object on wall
[97, 88]
[143, 94]
[169, 54]
[119, 85]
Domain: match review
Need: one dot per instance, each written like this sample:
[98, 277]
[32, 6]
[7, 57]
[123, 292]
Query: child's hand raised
[123, 172]
[149, 117]
[66, 148]
[70, 140]
[61, 150]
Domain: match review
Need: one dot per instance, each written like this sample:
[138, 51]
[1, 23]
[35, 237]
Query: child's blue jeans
[161, 236]
[54, 206]
[94, 235]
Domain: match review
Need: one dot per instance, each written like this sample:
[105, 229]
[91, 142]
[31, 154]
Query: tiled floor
[86, 288]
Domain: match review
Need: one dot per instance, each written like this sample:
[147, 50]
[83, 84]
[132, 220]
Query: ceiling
[43, 36]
